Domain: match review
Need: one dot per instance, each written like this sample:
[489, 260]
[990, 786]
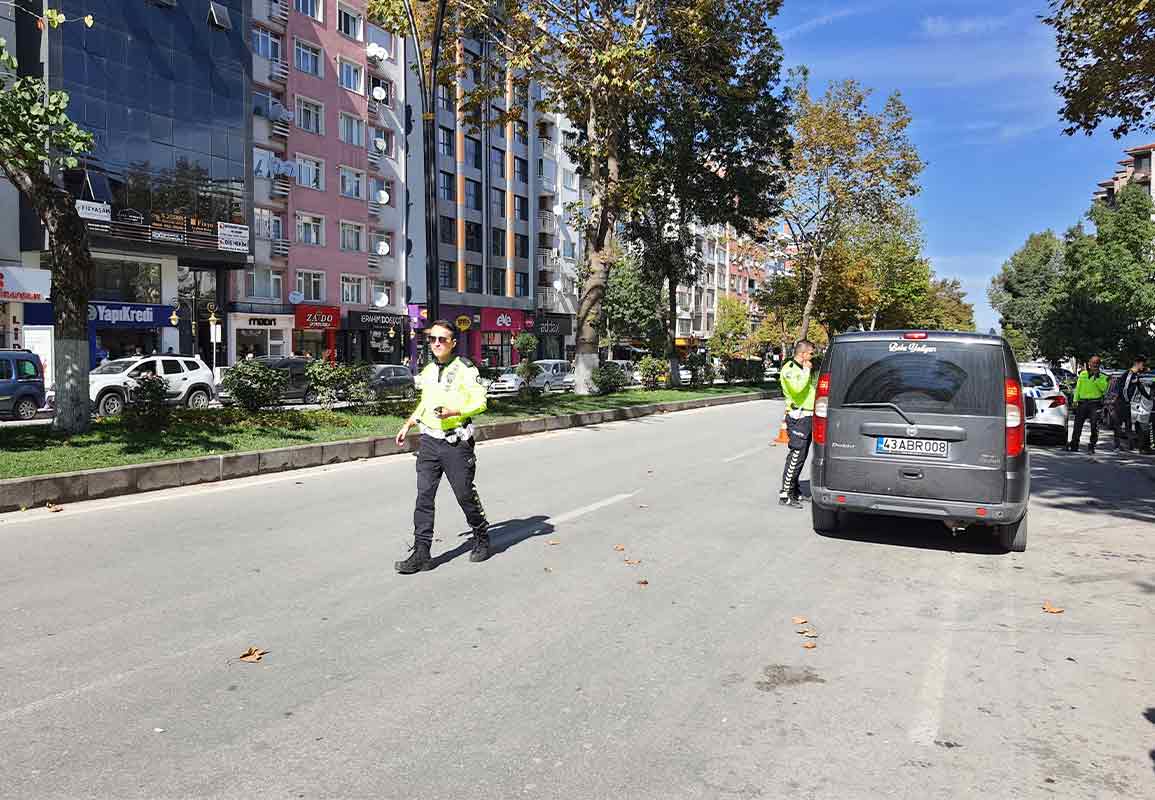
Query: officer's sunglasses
[439, 339]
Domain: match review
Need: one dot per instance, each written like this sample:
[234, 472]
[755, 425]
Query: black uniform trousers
[459, 464]
[1086, 410]
[800, 432]
[1124, 431]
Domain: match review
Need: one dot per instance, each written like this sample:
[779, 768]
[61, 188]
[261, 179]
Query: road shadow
[502, 536]
[1149, 715]
[916, 533]
[1109, 485]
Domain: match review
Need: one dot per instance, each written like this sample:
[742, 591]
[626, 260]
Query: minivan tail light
[1015, 416]
[821, 409]
[914, 335]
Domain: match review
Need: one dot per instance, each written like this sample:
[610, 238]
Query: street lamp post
[428, 81]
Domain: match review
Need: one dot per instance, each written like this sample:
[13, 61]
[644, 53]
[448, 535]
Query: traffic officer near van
[1090, 390]
[451, 395]
[798, 383]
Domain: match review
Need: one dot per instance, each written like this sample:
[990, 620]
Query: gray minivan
[922, 424]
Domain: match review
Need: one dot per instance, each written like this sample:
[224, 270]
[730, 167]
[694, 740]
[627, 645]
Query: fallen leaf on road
[633, 562]
[642, 505]
[23, 508]
[253, 655]
[548, 569]
[554, 541]
[643, 582]
[799, 621]
[1050, 609]
[808, 645]
[55, 509]
[809, 633]
[619, 547]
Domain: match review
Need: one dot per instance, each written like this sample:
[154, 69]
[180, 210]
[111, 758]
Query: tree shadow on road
[1111, 486]
[502, 536]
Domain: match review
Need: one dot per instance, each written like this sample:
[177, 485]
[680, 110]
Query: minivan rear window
[934, 377]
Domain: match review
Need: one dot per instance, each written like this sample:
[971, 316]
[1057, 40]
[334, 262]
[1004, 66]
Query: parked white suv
[189, 379]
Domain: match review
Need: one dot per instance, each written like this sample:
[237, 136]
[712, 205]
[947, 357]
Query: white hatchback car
[189, 379]
[1051, 408]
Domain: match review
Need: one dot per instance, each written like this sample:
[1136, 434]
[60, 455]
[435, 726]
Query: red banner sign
[318, 318]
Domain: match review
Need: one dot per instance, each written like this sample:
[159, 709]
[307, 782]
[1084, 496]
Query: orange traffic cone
[783, 436]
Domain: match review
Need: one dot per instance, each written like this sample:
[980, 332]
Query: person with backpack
[1090, 390]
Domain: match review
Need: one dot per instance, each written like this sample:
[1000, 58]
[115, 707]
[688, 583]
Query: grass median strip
[37, 450]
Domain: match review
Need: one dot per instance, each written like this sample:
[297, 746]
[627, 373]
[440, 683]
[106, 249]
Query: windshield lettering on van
[912, 347]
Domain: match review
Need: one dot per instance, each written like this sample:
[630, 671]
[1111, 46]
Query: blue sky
[978, 77]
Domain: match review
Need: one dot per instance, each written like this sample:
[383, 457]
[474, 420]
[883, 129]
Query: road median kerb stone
[17, 493]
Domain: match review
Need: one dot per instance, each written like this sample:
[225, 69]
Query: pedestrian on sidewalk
[1089, 392]
[1121, 415]
[1141, 408]
[451, 395]
[798, 382]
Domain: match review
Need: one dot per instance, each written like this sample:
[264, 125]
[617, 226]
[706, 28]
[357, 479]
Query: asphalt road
[550, 671]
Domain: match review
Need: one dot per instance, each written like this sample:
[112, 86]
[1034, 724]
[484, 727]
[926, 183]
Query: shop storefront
[122, 330]
[553, 332]
[18, 287]
[260, 335]
[499, 327]
[316, 329]
[373, 337]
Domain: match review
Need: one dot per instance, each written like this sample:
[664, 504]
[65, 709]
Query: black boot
[480, 546]
[418, 560]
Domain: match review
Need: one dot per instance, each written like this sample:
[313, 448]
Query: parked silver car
[552, 375]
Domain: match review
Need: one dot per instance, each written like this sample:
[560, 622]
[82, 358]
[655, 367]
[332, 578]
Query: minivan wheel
[25, 408]
[111, 405]
[197, 398]
[546, 389]
[309, 397]
[1013, 537]
[825, 520]
[409, 393]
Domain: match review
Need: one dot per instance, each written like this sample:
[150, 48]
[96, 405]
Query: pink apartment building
[329, 167]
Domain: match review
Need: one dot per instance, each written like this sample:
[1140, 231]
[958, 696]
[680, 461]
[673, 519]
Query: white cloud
[944, 27]
[819, 22]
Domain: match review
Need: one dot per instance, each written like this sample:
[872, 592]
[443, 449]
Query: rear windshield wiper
[892, 406]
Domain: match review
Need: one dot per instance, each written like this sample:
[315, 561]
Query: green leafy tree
[526, 346]
[1024, 290]
[731, 333]
[1107, 54]
[652, 371]
[634, 303]
[255, 385]
[37, 139]
[946, 308]
[848, 165]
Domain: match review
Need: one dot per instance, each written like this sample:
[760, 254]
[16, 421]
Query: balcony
[279, 248]
[555, 301]
[278, 11]
[547, 222]
[374, 158]
[282, 186]
[278, 71]
[375, 208]
[547, 183]
[546, 147]
[374, 262]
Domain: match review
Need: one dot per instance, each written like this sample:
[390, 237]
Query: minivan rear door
[918, 419]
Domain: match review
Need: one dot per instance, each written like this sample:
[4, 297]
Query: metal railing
[546, 221]
[278, 10]
[279, 71]
[282, 186]
[547, 183]
[546, 146]
[279, 247]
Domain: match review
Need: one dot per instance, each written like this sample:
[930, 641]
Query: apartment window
[497, 162]
[683, 327]
[473, 152]
[264, 284]
[310, 229]
[352, 130]
[445, 141]
[472, 195]
[307, 59]
[266, 44]
[498, 130]
[521, 284]
[385, 137]
[311, 8]
[521, 132]
[268, 224]
[498, 242]
[521, 170]
[310, 116]
[312, 285]
[380, 293]
[445, 272]
[447, 187]
[352, 183]
[269, 104]
[350, 23]
[522, 243]
[569, 249]
[496, 281]
[521, 207]
[384, 85]
[473, 278]
[497, 203]
[352, 290]
[473, 237]
[353, 77]
[569, 179]
[473, 65]
[352, 237]
[311, 173]
[447, 230]
[445, 98]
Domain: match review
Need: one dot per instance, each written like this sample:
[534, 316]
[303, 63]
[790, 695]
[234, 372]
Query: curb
[70, 487]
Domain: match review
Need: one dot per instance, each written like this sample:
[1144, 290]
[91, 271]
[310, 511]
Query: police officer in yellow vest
[1090, 389]
[451, 395]
[798, 382]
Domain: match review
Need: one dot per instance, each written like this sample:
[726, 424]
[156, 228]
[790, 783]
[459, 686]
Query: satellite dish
[374, 50]
[382, 300]
[557, 285]
[379, 93]
[380, 144]
[383, 196]
[382, 248]
[296, 297]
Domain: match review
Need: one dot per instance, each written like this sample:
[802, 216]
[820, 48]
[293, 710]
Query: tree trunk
[72, 272]
[672, 331]
[810, 298]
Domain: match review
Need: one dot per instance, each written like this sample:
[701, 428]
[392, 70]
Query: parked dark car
[388, 380]
[298, 387]
[922, 424]
[21, 384]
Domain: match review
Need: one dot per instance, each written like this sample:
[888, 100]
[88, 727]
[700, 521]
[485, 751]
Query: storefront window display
[496, 349]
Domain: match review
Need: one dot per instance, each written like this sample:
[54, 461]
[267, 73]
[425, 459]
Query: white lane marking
[570, 516]
[932, 694]
[760, 449]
